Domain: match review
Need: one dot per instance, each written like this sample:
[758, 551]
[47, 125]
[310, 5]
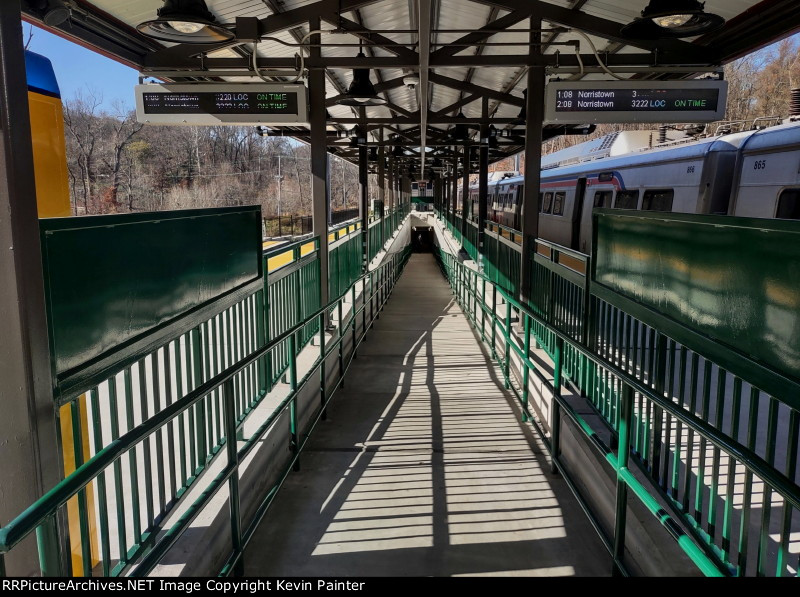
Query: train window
[789, 205]
[658, 200]
[603, 198]
[547, 203]
[627, 199]
[558, 204]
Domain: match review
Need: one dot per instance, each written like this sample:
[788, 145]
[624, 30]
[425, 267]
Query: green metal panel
[113, 280]
[734, 280]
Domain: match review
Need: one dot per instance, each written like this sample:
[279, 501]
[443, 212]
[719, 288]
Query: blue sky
[79, 69]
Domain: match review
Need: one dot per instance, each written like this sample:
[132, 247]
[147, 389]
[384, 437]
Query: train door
[517, 208]
[577, 215]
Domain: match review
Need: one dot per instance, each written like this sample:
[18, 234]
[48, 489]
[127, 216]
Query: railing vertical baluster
[118, 486]
[200, 408]
[105, 547]
[623, 454]
[555, 425]
[659, 385]
[83, 508]
[293, 416]
[132, 464]
[233, 480]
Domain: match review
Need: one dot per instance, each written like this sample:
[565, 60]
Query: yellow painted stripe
[307, 248]
[279, 260]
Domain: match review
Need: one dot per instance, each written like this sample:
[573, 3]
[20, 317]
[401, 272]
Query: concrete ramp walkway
[423, 468]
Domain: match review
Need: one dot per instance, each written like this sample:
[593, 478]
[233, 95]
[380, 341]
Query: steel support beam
[475, 89]
[533, 160]
[481, 34]
[424, 12]
[319, 167]
[29, 451]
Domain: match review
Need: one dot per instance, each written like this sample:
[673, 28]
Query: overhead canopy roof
[467, 50]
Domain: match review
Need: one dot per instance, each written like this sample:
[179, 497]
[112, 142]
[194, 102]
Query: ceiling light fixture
[361, 91]
[673, 18]
[185, 21]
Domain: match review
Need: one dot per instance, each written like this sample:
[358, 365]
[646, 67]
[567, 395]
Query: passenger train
[753, 173]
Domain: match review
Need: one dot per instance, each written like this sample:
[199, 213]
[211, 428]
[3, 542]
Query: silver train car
[751, 173]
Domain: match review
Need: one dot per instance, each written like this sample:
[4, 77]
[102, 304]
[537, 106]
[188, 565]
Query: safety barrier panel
[716, 450]
[148, 457]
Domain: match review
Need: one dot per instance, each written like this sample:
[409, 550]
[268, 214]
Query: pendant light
[185, 21]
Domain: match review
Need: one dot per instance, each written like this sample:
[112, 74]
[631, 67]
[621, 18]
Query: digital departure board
[578, 102]
[216, 104]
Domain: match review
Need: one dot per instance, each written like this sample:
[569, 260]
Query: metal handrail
[704, 557]
[45, 507]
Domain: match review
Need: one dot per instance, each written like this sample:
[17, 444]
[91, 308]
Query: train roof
[40, 75]
[774, 137]
[686, 151]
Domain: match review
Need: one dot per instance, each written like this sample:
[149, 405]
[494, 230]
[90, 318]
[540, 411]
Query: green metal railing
[151, 458]
[344, 257]
[291, 284]
[470, 240]
[712, 447]
[502, 263]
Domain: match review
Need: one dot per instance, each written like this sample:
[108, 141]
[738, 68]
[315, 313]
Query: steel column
[319, 164]
[533, 158]
[454, 187]
[465, 192]
[381, 183]
[30, 458]
[483, 182]
[363, 190]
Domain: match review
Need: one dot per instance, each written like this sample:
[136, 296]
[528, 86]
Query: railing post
[200, 409]
[623, 452]
[659, 379]
[341, 343]
[322, 384]
[353, 319]
[494, 320]
[47, 542]
[507, 356]
[555, 423]
[233, 480]
[293, 430]
[525, 366]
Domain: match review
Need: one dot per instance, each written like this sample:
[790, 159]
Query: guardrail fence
[717, 453]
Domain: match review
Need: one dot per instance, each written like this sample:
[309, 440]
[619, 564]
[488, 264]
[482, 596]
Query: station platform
[423, 467]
